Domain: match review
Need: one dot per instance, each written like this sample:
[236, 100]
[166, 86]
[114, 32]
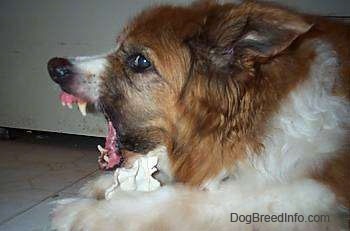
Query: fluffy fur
[251, 104]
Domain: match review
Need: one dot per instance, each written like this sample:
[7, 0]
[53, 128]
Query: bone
[106, 158]
[101, 150]
[137, 177]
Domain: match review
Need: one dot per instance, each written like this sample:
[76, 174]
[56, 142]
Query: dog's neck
[210, 140]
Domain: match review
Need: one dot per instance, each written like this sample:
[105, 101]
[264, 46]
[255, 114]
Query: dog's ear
[246, 34]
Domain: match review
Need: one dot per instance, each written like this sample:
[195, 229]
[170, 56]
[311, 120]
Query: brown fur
[216, 77]
[214, 89]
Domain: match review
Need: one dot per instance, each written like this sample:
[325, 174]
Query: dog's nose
[60, 69]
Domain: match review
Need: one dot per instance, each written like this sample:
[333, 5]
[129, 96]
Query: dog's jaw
[68, 100]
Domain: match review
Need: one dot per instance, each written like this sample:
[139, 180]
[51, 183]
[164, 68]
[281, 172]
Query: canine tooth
[101, 150]
[69, 105]
[82, 107]
[63, 103]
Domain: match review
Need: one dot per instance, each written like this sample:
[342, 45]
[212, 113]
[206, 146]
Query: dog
[250, 102]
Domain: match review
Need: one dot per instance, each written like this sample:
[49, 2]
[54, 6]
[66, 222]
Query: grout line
[47, 197]
[337, 16]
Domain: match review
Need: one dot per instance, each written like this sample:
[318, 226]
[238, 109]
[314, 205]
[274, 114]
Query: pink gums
[67, 99]
[111, 150]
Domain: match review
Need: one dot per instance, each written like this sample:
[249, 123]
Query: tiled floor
[36, 169]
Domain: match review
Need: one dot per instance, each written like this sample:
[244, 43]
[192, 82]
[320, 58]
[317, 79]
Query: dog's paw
[96, 188]
[126, 213]
[69, 214]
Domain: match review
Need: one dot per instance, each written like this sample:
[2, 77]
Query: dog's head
[184, 77]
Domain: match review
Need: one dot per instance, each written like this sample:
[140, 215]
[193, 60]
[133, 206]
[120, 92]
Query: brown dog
[251, 102]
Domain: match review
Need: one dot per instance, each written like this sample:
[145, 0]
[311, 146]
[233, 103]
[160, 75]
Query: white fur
[96, 188]
[93, 65]
[90, 69]
[178, 208]
[308, 129]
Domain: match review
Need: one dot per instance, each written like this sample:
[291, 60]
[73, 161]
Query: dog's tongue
[110, 156]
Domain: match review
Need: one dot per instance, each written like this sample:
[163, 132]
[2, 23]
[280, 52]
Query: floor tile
[36, 171]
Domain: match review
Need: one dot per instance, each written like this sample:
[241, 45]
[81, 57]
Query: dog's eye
[139, 63]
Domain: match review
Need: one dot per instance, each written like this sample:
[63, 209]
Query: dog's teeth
[82, 107]
[69, 105]
[63, 103]
[101, 150]
[105, 157]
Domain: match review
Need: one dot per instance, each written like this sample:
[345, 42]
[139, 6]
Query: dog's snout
[60, 69]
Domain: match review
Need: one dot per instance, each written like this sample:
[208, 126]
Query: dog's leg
[178, 208]
[96, 188]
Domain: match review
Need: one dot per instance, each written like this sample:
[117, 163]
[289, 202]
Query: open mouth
[110, 155]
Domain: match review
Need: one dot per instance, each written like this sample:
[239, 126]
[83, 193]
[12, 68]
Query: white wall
[33, 31]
